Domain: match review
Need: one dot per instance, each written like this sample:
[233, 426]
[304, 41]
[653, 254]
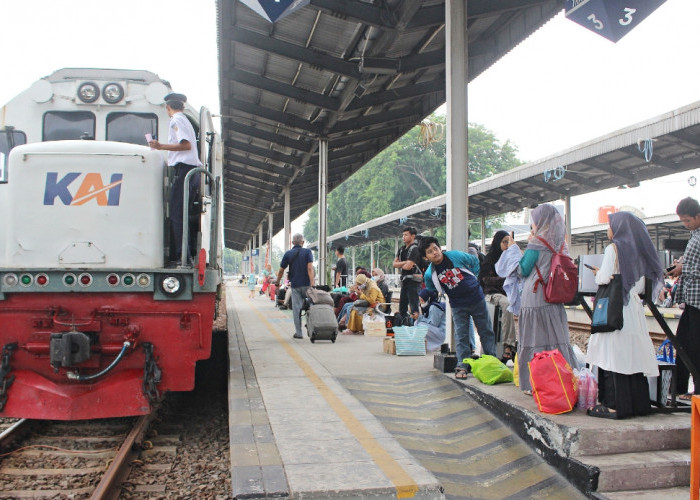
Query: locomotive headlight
[171, 285]
[143, 280]
[10, 279]
[88, 92]
[112, 93]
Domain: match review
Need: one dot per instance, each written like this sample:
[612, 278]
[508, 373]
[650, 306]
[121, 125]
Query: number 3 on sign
[596, 22]
[628, 16]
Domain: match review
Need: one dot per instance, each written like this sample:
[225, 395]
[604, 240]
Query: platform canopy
[359, 73]
[663, 145]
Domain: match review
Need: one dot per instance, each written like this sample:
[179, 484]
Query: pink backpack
[562, 286]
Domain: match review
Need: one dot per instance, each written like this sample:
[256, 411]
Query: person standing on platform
[183, 156]
[492, 284]
[301, 275]
[542, 326]
[341, 269]
[454, 273]
[688, 294]
[406, 259]
[626, 357]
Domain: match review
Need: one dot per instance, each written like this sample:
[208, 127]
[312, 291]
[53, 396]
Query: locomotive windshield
[131, 127]
[68, 125]
[9, 138]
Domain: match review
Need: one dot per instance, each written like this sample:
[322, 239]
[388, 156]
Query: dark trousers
[688, 333]
[176, 204]
[409, 297]
[628, 395]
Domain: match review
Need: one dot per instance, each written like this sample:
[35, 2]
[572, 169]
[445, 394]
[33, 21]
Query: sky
[561, 87]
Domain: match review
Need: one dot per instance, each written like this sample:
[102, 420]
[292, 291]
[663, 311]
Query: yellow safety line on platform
[402, 481]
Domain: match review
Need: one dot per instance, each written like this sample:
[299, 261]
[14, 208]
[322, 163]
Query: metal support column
[567, 216]
[351, 272]
[261, 257]
[270, 223]
[286, 245]
[483, 233]
[322, 212]
[371, 256]
[253, 245]
[457, 153]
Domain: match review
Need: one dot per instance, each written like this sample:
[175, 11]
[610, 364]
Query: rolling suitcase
[321, 323]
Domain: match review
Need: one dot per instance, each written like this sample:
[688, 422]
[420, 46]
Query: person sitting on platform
[433, 316]
[370, 294]
[492, 284]
[342, 310]
[626, 357]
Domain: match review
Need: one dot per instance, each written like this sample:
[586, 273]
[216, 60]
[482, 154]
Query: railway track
[84, 459]
[656, 337]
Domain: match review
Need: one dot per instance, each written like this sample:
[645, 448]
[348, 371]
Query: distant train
[92, 322]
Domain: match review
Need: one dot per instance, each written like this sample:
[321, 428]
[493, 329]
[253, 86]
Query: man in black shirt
[341, 269]
[411, 277]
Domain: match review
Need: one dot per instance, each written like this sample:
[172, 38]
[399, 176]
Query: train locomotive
[94, 323]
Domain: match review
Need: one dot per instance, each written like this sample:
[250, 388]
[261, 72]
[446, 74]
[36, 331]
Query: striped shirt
[689, 282]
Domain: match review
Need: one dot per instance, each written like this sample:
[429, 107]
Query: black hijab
[495, 250]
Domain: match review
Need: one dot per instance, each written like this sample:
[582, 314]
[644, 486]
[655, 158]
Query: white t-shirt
[181, 129]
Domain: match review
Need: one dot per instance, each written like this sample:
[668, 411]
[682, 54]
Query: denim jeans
[298, 296]
[345, 311]
[460, 318]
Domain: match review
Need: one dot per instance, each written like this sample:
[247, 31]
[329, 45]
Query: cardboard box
[389, 345]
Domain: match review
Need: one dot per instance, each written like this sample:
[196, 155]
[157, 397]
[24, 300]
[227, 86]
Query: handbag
[607, 306]
[410, 340]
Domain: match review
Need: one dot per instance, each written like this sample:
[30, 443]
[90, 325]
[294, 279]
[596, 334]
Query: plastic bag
[554, 386]
[373, 325]
[490, 370]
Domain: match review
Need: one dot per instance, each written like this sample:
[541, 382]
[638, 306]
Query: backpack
[562, 286]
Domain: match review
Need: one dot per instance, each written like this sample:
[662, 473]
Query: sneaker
[298, 336]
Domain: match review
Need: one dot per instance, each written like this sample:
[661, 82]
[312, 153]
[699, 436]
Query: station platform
[345, 420]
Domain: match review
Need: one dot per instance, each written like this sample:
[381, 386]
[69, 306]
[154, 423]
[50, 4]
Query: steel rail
[120, 466]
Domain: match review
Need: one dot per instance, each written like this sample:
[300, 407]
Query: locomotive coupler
[69, 349]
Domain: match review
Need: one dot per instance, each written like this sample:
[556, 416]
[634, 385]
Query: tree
[406, 173]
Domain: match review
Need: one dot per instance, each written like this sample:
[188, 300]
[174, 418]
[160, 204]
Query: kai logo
[90, 188]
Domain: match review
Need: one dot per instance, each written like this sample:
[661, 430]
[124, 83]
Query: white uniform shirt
[181, 129]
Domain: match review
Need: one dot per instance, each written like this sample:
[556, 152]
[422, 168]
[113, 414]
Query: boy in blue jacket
[455, 273]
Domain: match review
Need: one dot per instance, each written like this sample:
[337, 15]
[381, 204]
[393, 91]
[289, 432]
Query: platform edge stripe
[403, 482]
[240, 488]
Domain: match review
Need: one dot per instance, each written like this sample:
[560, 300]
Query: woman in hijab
[626, 357]
[369, 291]
[433, 316]
[492, 284]
[542, 326]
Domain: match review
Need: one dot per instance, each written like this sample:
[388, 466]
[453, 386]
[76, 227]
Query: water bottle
[582, 388]
[592, 396]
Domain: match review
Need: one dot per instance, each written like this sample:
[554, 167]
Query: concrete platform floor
[346, 420]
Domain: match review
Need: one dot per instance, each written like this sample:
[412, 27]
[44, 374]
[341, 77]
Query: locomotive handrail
[213, 240]
[78, 153]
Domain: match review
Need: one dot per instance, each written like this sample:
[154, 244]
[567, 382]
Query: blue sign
[246, 258]
[612, 19]
[274, 10]
[255, 252]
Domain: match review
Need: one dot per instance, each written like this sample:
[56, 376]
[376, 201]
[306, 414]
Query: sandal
[347, 332]
[685, 397]
[461, 373]
[601, 411]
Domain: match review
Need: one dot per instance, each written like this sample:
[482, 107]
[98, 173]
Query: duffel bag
[554, 386]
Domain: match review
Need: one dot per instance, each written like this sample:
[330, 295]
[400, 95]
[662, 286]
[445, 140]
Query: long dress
[628, 354]
[541, 326]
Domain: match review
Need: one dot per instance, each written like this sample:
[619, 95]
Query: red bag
[562, 286]
[554, 386]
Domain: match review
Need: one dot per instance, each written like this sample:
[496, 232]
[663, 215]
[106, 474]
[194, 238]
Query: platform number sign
[274, 10]
[612, 19]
